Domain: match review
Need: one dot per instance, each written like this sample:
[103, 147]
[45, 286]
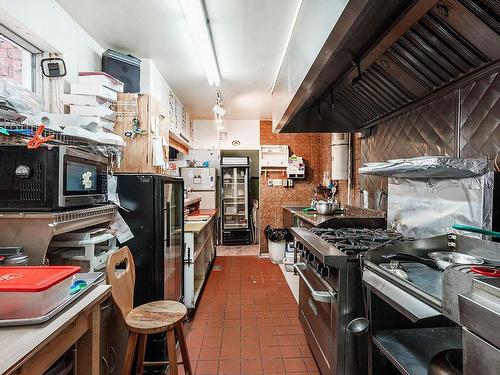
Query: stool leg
[141, 353]
[172, 353]
[184, 352]
[129, 356]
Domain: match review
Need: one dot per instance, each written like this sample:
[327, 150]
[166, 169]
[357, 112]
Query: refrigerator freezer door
[199, 178]
[173, 242]
[235, 198]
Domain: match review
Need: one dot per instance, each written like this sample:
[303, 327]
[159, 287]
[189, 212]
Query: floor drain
[217, 268]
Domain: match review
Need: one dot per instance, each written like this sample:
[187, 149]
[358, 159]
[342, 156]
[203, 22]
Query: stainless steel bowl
[326, 208]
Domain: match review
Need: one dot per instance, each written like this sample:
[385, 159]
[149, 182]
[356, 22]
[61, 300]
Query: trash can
[276, 243]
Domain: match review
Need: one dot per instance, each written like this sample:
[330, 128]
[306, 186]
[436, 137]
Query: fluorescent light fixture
[197, 21]
[299, 5]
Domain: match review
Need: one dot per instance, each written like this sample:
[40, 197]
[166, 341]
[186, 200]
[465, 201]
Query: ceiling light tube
[197, 21]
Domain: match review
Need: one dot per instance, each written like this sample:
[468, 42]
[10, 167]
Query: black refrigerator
[153, 207]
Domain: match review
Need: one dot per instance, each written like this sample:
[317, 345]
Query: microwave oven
[49, 179]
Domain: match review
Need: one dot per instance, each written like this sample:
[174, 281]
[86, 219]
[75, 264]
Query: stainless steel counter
[351, 217]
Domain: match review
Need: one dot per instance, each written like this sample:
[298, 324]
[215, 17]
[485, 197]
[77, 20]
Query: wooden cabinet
[144, 114]
[113, 339]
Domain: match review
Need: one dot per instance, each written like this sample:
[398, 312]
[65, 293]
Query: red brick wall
[10, 61]
[272, 198]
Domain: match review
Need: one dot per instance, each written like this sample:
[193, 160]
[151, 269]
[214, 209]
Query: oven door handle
[317, 295]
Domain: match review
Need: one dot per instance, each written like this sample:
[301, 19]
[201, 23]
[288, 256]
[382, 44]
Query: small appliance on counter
[51, 178]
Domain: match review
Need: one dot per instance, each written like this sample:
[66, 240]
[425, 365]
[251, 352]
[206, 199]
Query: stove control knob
[299, 246]
[310, 257]
[325, 271]
[304, 253]
[320, 267]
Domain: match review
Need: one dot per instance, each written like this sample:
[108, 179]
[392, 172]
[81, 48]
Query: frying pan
[439, 260]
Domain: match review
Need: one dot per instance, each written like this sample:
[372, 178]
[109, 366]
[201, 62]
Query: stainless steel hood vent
[449, 40]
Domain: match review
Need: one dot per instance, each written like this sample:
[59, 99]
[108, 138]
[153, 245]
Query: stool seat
[155, 317]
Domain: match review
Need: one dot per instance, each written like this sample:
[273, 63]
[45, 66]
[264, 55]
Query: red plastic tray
[33, 278]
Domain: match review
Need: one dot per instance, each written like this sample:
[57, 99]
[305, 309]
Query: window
[17, 59]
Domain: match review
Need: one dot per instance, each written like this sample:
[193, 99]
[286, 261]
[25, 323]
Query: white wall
[247, 132]
[47, 26]
[152, 82]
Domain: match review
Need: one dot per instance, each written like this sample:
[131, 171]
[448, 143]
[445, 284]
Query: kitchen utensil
[413, 258]
[326, 208]
[486, 271]
[448, 258]
[438, 259]
[448, 362]
[16, 260]
[469, 228]
[358, 326]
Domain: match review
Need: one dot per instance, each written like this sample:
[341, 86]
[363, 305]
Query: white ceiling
[249, 37]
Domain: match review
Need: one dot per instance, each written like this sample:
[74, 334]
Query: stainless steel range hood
[405, 50]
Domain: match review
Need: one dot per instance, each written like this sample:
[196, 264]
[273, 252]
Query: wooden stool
[150, 318]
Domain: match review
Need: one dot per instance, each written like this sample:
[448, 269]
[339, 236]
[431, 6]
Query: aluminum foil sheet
[423, 208]
[428, 167]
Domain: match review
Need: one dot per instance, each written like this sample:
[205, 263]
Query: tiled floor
[237, 250]
[247, 322]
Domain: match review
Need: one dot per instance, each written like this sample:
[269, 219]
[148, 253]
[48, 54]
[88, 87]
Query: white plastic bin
[276, 251]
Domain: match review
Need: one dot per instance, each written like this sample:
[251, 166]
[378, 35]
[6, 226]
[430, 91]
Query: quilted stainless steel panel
[480, 118]
[425, 130]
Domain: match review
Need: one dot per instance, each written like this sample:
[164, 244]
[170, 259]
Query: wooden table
[31, 350]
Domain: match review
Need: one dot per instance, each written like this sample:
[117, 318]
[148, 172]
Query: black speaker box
[125, 68]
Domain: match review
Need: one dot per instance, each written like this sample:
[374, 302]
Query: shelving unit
[59, 139]
[34, 230]
[411, 350]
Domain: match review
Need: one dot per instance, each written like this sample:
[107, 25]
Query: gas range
[353, 241]
[330, 293]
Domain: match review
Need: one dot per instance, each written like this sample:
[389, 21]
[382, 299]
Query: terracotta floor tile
[207, 367]
[247, 323]
[211, 342]
[290, 352]
[229, 366]
[193, 354]
[311, 364]
[274, 365]
[194, 342]
[294, 365]
[250, 341]
[249, 352]
[209, 354]
[270, 352]
[251, 366]
[230, 352]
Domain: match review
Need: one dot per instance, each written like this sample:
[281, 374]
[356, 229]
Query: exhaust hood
[393, 54]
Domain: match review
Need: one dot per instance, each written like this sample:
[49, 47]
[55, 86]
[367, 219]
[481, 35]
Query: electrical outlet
[285, 182]
[277, 182]
[290, 182]
[269, 182]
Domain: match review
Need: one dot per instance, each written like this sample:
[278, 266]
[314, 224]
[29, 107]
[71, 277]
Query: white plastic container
[95, 90]
[276, 251]
[33, 291]
[100, 78]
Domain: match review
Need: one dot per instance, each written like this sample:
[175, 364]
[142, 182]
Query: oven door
[318, 314]
[82, 178]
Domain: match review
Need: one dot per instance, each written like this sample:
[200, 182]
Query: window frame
[36, 56]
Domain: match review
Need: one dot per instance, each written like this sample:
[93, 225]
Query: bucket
[276, 251]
